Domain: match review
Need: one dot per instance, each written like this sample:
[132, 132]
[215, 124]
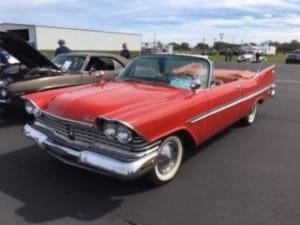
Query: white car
[249, 57]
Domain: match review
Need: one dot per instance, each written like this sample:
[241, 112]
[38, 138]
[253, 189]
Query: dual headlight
[32, 110]
[114, 130]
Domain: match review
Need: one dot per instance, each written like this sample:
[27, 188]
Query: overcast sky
[170, 20]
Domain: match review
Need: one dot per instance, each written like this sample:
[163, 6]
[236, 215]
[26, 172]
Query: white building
[264, 48]
[46, 37]
[268, 49]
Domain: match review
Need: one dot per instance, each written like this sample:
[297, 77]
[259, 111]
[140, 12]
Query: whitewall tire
[169, 160]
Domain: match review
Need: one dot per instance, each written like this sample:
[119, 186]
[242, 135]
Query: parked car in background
[37, 73]
[293, 57]
[250, 57]
[143, 121]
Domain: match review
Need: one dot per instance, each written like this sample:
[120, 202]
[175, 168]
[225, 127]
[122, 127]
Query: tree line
[284, 47]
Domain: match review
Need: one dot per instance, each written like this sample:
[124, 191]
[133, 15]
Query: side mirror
[99, 75]
[195, 83]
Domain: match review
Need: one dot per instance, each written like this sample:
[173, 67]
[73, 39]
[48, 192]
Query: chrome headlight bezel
[31, 109]
[116, 131]
[124, 134]
[37, 112]
[110, 129]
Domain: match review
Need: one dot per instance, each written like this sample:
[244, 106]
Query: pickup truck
[143, 121]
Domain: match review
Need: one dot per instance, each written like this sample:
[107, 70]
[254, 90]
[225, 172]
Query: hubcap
[167, 157]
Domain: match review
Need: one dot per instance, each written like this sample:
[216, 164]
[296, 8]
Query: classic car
[144, 120]
[293, 57]
[38, 73]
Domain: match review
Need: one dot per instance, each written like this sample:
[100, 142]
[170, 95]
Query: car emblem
[71, 133]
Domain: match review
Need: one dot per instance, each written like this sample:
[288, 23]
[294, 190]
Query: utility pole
[221, 36]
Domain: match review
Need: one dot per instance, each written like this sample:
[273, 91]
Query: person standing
[125, 52]
[257, 56]
[62, 48]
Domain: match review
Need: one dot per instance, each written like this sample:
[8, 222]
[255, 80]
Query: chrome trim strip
[5, 101]
[228, 105]
[137, 151]
[91, 160]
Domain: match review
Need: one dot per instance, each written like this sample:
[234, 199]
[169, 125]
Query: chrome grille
[83, 134]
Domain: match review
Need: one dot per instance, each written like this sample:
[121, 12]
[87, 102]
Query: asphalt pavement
[244, 176]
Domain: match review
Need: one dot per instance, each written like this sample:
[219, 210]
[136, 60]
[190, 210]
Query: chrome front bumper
[5, 101]
[93, 161]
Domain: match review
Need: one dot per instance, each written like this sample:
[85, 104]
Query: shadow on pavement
[10, 117]
[50, 190]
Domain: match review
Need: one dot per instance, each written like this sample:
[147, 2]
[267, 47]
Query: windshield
[69, 62]
[173, 70]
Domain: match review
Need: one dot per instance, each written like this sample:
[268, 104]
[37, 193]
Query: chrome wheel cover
[168, 157]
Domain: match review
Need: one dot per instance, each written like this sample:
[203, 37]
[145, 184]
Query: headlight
[36, 112]
[29, 107]
[110, 129]
[32, 110]
[4, 93]
[124, 135]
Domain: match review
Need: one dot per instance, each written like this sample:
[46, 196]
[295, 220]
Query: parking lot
[245, 176]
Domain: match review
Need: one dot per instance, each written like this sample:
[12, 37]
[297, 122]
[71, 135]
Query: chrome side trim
[212, 112]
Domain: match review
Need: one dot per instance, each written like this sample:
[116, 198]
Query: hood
[120, 100]
[22, 51]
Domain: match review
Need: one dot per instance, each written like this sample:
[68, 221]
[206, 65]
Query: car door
[109, 66]
[223, 106]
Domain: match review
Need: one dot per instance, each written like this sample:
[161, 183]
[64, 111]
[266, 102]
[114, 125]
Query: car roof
[119, 58]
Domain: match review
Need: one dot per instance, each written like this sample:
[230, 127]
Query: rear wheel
[169, 160]
[248, 120]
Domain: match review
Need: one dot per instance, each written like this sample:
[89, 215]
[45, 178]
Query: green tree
[201, 46]
[185, 46]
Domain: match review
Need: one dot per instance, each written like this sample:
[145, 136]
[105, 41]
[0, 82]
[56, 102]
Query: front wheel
[169, 160]
[248, 120]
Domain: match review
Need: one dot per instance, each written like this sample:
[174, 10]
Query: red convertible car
[143, 121]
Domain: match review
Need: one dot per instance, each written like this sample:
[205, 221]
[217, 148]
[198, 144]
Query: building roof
[68, 28]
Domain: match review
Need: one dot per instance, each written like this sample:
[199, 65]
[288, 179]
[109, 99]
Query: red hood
[126, 101]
